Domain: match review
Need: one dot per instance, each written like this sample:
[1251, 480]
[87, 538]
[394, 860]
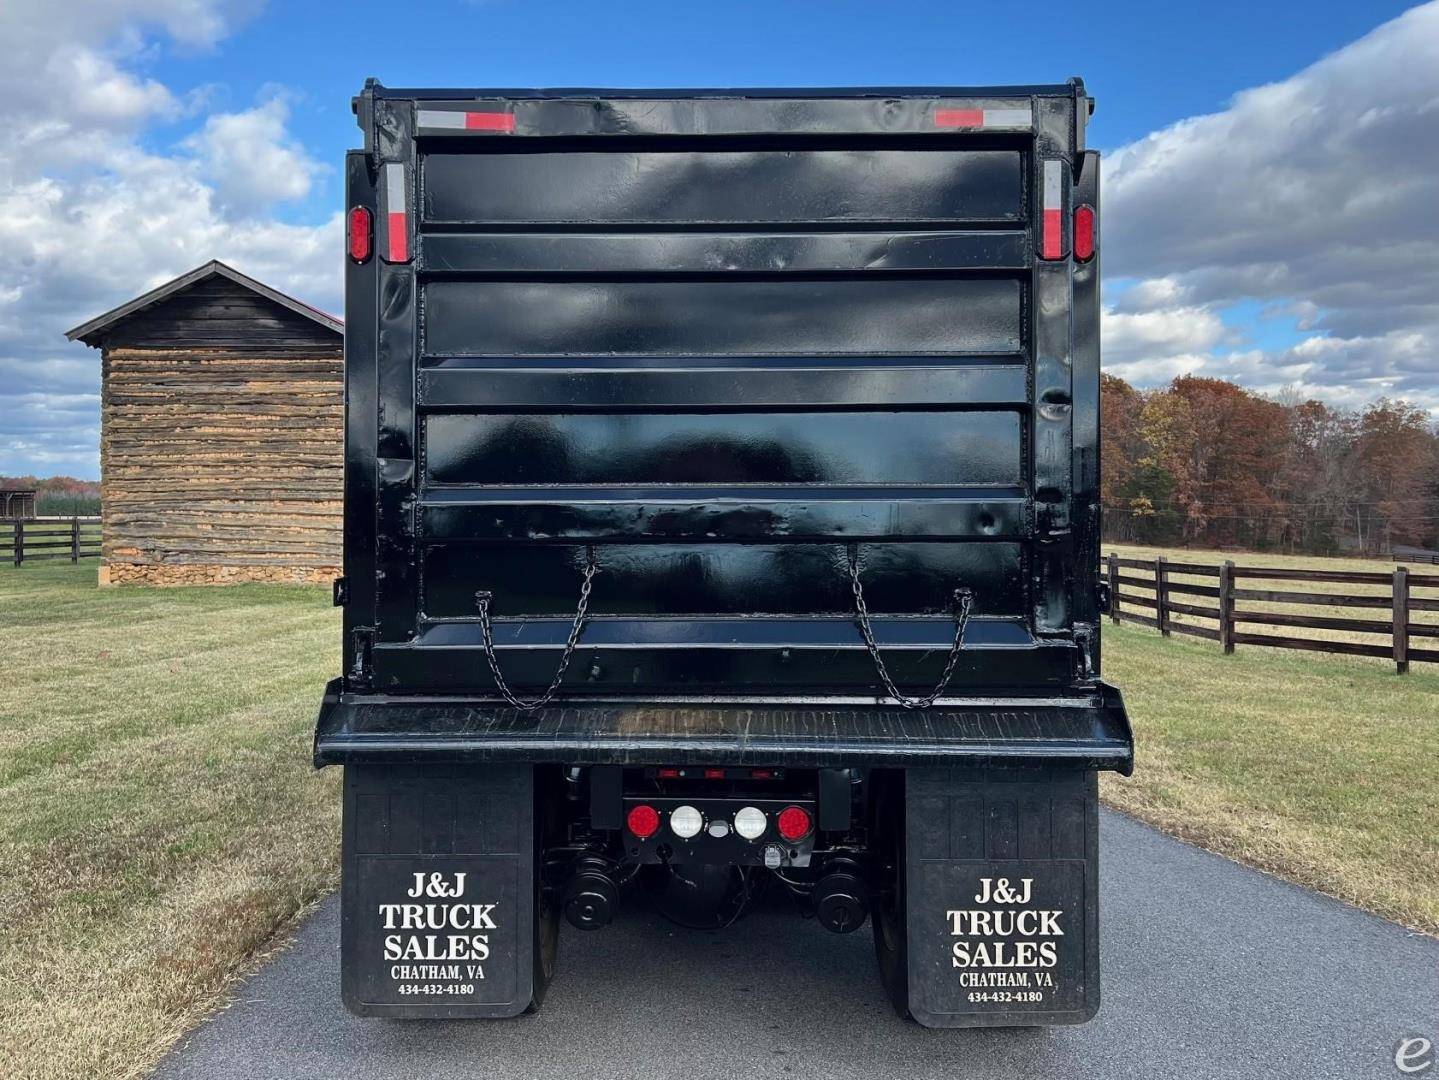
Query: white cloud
[1162, 292]
[250, 161]
[1314, 195]
[90, 217]
[1161, 330]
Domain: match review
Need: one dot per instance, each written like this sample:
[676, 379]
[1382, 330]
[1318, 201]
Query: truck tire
[891, 944]
[547, 940]
[548, 827]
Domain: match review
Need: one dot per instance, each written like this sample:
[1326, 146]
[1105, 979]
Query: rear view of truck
[721, 515]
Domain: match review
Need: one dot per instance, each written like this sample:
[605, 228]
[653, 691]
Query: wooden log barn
[222, 411]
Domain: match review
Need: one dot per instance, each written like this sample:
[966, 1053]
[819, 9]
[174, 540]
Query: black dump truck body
[712, 452]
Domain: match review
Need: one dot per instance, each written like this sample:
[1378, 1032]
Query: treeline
[62, 496]
[1206, 463]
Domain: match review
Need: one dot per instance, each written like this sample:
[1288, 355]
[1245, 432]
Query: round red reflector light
[360, 233]
[793, 823]
[644, 821]
[1084, 233]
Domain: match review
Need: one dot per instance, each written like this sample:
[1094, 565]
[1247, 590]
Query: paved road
[1210, 970]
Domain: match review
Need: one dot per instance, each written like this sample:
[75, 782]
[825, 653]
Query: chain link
[964, 603]
[482, 602]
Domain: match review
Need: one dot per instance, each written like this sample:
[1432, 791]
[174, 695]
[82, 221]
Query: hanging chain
[482, 602]
[964, 604]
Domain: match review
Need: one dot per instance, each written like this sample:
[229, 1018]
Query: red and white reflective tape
[1051, 243]
[466, 122]
[397, 215]
[992, 118]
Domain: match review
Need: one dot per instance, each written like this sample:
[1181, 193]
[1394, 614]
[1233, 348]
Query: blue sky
[1149, 64]
[1268, 182]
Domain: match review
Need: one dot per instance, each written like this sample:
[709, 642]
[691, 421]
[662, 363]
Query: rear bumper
[1085, 727]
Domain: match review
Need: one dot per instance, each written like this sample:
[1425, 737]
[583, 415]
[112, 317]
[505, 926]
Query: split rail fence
[1224, 603]
[25, 540]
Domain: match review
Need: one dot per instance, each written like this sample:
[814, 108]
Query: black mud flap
[1000, 894]
[442, 916]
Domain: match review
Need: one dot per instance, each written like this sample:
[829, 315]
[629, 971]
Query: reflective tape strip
[1008, 118]
[452, 121]
[397, 225]
[954, 118]
[1052, 238]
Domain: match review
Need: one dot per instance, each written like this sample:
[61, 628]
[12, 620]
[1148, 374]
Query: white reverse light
[750, 823]
[686, 821]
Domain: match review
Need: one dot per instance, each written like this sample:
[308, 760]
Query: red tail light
[644, 821]
[794, 823]
[361, 233]
[1084, 233]
[714, 774]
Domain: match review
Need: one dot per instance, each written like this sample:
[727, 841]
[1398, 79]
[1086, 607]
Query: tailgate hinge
[359, 675]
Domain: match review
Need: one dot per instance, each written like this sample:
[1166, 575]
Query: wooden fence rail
[1391, 592]
[25, 540]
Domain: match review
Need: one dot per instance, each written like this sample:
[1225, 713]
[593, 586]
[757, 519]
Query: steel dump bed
[713, 346]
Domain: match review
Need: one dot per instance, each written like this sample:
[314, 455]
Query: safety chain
[482, 602]
[964, 604]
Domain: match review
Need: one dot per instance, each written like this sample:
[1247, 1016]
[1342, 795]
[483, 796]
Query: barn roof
[94, 331]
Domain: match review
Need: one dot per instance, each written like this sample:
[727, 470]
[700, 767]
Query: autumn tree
[1206, 462]
[1120, 406]
[1396, 464]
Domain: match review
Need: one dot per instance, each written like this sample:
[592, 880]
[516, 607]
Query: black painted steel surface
[713, 339]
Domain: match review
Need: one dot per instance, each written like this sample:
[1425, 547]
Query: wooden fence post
[1401, 619]
[19, 541]
[1226, 605]
[1161, 594]
[1114, 587]
[75, 540]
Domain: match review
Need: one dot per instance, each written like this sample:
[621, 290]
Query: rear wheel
[546, 941]
[891, 945]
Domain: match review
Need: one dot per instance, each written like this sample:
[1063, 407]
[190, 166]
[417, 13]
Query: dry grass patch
[159, 819]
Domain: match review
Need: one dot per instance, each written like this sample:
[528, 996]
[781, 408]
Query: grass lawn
[1324, 769]
[160, 820]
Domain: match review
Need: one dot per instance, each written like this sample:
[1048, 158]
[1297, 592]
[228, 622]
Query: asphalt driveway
[1209, 970]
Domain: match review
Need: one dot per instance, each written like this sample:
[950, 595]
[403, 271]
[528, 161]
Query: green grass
[159, 818]
[1319, 768]
[160, 822]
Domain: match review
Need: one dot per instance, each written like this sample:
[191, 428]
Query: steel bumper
[1085, 727]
